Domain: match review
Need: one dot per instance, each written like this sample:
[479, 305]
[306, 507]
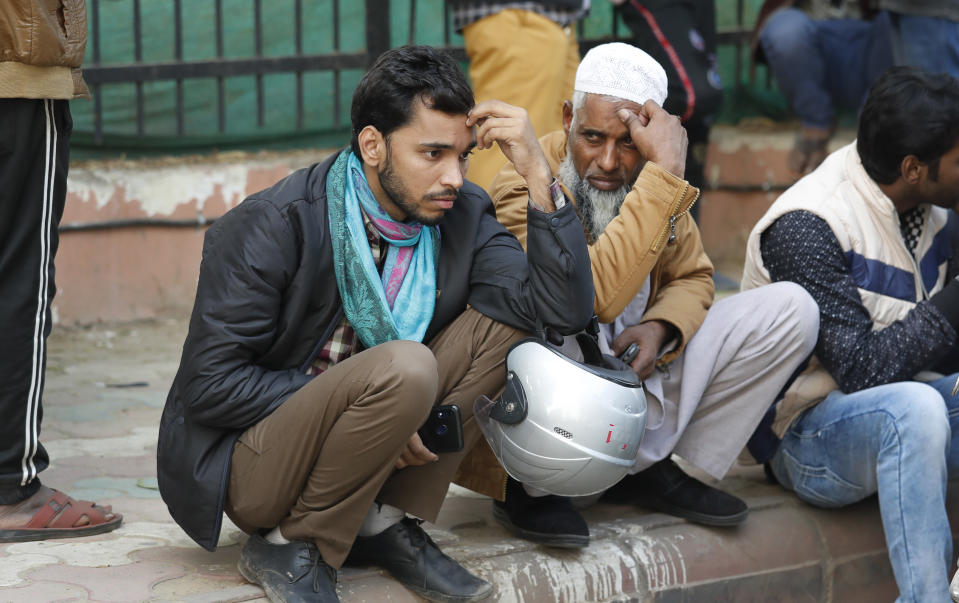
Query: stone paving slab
[102, 440]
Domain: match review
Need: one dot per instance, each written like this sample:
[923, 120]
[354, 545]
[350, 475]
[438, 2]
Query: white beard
[597, 207]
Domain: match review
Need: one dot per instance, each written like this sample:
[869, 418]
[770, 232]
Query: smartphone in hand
[443, 430]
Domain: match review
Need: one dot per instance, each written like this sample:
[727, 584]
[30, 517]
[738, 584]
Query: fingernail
[623, 114]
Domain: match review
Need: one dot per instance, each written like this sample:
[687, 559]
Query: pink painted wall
[119, 274]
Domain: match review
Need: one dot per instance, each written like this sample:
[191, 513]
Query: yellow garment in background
[524, 59]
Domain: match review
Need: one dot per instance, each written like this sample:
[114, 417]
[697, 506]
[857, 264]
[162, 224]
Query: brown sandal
[58, 518]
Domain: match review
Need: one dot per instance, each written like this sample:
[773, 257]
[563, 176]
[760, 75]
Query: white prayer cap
[623, 71]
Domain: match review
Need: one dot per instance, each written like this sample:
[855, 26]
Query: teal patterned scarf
[400, 303]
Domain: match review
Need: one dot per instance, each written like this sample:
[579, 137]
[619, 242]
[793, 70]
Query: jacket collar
[867, 188]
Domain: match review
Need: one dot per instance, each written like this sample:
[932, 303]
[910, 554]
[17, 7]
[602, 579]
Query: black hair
[385, 95]
[907, 112]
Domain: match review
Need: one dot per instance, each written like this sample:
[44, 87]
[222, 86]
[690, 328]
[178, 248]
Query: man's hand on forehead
[658, 136]
[510, 128]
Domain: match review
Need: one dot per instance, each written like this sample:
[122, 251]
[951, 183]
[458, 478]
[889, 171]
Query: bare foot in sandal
[52, 514]
[809, 151]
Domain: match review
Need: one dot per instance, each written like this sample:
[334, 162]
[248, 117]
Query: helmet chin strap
[588, 342]
[545, 333]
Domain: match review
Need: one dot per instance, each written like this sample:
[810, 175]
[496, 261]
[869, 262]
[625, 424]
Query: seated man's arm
[552, 281]
[632, 243]
[802, 248]
[654, 231]
[953, 227]
[246, 260]
[678, 307]
[510, 195]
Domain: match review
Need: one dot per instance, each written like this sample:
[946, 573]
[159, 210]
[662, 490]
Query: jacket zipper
[326, 335]
[924, 293]
[915, 263]
[668, 234]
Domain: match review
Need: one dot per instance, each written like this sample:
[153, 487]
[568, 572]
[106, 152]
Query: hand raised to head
[658, 136]
[510, 128]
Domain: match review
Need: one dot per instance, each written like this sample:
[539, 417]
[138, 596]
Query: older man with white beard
[711, 371]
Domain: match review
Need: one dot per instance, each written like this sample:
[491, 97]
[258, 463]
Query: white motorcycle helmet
[566, 427]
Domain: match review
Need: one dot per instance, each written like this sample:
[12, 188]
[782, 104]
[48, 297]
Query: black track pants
[34, 157]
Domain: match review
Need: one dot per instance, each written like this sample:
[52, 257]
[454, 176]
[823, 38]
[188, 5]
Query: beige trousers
[523, 59]
[316, 464]
[714, 394]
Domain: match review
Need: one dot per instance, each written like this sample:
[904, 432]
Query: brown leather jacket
[634, 246]
[41, 47]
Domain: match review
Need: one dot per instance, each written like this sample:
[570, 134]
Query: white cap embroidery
[623, 71]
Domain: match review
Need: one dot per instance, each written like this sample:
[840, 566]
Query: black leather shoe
[665, 487]
[549, 520]
[410, 555]
[288, 573]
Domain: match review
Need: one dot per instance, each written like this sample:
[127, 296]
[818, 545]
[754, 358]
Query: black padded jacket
[267, 300]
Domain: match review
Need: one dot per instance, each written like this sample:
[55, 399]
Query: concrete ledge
[785, 551]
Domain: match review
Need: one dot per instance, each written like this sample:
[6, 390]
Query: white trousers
[707, 404]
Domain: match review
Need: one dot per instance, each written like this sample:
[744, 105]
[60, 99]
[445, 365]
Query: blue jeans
[926, 42]
[822, 65]
[894, 439]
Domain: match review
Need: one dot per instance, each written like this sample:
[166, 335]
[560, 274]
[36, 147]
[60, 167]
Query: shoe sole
[38, 534]
[431, 595]
[562, 541]
[249, 574]
[719, 521]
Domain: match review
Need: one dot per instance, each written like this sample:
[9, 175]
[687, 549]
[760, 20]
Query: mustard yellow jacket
[634, 246]
[41, 47]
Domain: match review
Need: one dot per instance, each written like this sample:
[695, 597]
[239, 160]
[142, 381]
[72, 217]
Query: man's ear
[372, 146]
[911, 169]
[567, 116]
